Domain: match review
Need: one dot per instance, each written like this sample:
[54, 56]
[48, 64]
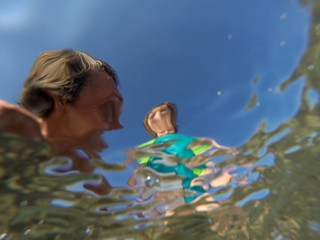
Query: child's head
[161, 120]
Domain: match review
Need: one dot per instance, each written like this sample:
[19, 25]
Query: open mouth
[96, 142]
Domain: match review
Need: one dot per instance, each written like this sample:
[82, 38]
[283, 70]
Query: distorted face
[96, 110]
[160, 120]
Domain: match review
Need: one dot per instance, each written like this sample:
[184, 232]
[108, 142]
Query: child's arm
[216, 145]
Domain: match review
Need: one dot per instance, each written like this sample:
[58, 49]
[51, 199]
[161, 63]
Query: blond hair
[62, 72]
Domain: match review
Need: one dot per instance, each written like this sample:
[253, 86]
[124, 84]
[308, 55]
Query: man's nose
[116, 125]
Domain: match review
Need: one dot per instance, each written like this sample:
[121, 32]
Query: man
[69, 99]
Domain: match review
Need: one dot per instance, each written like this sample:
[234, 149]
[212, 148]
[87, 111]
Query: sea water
[273, 192]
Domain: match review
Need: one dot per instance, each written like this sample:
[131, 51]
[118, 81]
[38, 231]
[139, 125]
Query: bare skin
[159, 121]
[79, 125]
[17, 120]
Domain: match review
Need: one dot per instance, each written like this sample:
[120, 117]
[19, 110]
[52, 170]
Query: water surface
[273, 193]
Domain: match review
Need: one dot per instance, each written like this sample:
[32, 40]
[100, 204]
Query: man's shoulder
[17, 120]
[4, 105]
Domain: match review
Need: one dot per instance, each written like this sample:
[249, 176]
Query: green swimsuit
[179, 148]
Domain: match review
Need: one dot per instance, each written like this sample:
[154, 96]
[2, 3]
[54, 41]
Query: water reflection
[273, 193]
[171, 163]
[44, 199]
[269, 194]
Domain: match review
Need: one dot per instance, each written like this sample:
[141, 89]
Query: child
[170, 153]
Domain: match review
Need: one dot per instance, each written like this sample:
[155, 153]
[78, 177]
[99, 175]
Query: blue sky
[201, 55]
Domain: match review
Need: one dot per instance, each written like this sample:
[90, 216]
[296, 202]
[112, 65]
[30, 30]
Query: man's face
[160, 121]
[96, 110]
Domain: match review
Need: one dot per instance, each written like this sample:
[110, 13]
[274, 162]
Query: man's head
[63, 73]
[76, 96]
[161, 120]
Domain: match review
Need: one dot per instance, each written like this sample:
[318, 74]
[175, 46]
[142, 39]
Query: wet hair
[174, 114]
[62, 72]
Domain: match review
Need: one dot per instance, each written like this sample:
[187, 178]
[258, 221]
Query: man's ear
[58, 102]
